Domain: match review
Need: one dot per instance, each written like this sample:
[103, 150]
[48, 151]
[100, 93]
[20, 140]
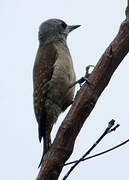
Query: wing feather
[42, 74]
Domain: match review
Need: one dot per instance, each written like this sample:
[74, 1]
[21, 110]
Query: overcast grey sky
[20, 151]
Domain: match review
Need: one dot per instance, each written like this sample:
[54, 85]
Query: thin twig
[113, 129]
[98, 154]
[110, 125]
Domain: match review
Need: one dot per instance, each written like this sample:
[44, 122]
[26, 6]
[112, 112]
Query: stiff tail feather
[46, 146]
[48, 118]
[42, 154]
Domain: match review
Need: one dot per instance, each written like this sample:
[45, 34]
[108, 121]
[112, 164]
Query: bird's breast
[63, 76]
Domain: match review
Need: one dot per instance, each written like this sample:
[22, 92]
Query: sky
[20, 151]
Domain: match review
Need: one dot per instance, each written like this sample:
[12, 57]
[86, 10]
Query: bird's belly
[59, 91]
[63, 76]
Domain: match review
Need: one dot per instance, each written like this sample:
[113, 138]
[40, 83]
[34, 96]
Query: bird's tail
[41, 161]
[46, 146]
[46, 140]
[46, 124]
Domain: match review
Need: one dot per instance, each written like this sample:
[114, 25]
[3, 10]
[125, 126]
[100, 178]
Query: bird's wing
[42, 73]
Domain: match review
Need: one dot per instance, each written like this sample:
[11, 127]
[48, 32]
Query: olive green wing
[42, 74]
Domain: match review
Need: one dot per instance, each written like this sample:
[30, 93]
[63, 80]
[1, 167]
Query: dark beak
[71, 28]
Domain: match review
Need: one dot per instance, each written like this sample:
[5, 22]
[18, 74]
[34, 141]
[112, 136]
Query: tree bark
[84, 103]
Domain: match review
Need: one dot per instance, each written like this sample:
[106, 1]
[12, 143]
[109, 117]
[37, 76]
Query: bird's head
[54, 30]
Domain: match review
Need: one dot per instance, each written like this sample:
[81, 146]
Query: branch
[107, 130]
[84, 103]
[104, 152]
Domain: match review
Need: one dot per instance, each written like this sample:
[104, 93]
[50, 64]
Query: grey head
[54, 30]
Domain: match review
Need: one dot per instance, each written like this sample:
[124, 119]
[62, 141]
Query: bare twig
[113, 129]
[107, 130]
[98, 154]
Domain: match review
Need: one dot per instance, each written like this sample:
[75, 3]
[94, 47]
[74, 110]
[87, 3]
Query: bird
[53, 73]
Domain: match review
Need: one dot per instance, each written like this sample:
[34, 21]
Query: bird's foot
[87, 70]
[84, 78]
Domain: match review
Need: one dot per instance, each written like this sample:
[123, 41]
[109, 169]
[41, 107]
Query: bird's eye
[64, 25]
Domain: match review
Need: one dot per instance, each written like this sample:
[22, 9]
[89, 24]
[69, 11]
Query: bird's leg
[87, 71]
[83, 79]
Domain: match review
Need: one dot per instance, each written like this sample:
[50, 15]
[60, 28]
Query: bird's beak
[71, 28]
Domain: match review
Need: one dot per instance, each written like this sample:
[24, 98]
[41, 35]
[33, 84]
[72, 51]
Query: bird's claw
[87, 74]
[83, 79]
[87, 71]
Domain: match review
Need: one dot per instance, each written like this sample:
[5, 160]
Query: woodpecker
[53, 73]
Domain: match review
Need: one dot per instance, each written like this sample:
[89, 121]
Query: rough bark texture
[85, 101]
